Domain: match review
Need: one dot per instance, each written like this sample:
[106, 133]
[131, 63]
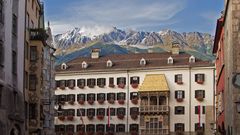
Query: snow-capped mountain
[83, 36]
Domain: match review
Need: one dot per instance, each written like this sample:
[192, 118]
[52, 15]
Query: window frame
[179, 127]
[32, 82]
[177, 110]
[178, 78]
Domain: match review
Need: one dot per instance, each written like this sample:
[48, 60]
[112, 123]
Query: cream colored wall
[188, 86]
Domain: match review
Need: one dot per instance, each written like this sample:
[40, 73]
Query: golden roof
[154, 83]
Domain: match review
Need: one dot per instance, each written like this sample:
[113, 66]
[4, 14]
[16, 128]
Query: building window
[60, 128]
[200, 95]
[110, 128]
[109, 63]
[179, 95]
[1, 54]
[14, 62]
[26, 50]
[199, 127]
[100, 128]
[199, 78]
[1, 91]
[142, 62]
[81, 112]
[62, 99]
[121, 82]
[101, 97]
[81, 98]
[133, 127]
[120, 128]
[179, 109]
[134, 81]
[33, 53]
[62, 84]
[201, 110]
[33, 111]
[111, 97]
[90, 128]
[179, 127]
[121, 112]
[70, 112]
[100, 113]
[71, 99]
[81, 83]
[178, 79]
[70, 128]
[32, 82]
[84, 64]
[111, 82]
[91, 82]
[170, 60]
[121, 97]
[90, 112]
[71, 83]
[101, 82]
[154, 123]
[91, 98]
[112, 111]
[134, 112]
[81, 128]
[1, 11]
[14, 24]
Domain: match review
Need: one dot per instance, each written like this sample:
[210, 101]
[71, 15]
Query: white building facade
[189, 88]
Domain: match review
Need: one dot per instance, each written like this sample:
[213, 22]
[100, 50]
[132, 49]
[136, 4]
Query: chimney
[95, 53]
[175, 48]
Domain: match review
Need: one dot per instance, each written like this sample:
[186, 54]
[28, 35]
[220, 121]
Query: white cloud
[119, 13]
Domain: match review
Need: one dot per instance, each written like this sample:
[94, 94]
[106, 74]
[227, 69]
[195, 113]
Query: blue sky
[144, 15]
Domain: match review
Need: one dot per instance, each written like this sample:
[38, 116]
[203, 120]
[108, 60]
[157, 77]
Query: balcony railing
[154, 108]
[154, 131]
[38, 34]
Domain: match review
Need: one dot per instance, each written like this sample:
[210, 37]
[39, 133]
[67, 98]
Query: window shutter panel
[183, 93]
[203, 93]
[131, 80]
[196, 77]
[196, 109]
[203, 77]
[138, 80]
[118, 79]
[175, 80]
[176, 92]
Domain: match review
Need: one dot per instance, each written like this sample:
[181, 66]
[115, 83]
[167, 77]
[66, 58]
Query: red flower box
[90, 102]
[134, 85]
[179, 99]
[91, 86]
[62, 87]
[121, 101]
[62, 118]
[111, 85]
[90, 117]
[100, 117]
[180, 82]
[120, 116]
[80, 133]
[111, 101]
[81, 86]
[71, 87]
[71, 102]
[121, 85]
[70, 118]
[199, 98]
[101, 86]
[81, 102]
[135, 101]
[134, 116]
[200, 82]
[134, 132]
[100, 101]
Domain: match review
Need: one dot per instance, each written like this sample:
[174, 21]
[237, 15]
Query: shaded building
[11, 67]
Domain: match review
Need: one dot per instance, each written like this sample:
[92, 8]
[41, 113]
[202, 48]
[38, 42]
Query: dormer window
[170, 60]
[84, 64]
[109, 63]
[192, 59]
[64, 66]
[142, 62]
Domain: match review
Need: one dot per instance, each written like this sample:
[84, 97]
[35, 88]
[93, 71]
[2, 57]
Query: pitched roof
[132, 62]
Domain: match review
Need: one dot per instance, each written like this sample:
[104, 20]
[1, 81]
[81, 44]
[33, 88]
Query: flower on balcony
[71, 102]
[90, 101]
[61, 117]
[199, 81]
[134, 132]
[134, 116]
[71, 87]
[100, 101]
[81, 102]
[90, 117]
[135, 101]
[111, 101]
[70, 117]
[80, 133]
[179, 99]
[111, 85]
[199, 98]
[62, 87]
[121, 85]
[81, 86]
[62, 102]
[179, 82]
[121, 101]
[134, 85]
[120, 116]
[91, 86]
[100, 117]
[101, 86]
